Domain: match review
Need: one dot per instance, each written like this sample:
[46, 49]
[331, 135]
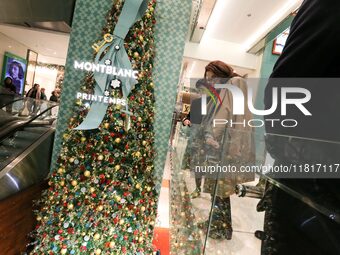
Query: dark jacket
[312, 50]
[54, 98]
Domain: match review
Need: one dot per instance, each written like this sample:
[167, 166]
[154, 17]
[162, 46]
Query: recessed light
[9, 46]
[55, 53]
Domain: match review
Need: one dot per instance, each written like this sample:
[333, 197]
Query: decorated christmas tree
[102, 197]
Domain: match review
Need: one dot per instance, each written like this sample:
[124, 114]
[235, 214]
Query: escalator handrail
[19, 124]
[23, 99]
[15, 100]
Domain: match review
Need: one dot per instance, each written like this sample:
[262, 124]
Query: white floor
[245, 220]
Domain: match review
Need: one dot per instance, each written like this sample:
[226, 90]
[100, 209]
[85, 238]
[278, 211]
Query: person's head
[42, 90]
[16, 71]
[219, 69]
[8, 81]
[36, 86]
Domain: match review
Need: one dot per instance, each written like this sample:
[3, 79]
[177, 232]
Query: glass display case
[277, 195]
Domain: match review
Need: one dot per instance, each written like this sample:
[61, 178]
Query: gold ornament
[100, 157]
[74, 183]
[112, 245]
[98, 251]
[117, 140]
[136, 54]
[71, 160]
[140, 119]
[70, 206]
[143, 209]
[141, 38]
[138, 186]
[100, 208]
[106, 125]
[117, 167]
[63, 251]
[60, 170]
[140, 239]
[38, 218]
[83, 139]
[144, 143]
[62, 183]
[92, 189]
[87, 173]
[121, 222]
[96, 236]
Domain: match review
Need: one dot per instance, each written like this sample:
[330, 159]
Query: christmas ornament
[101, 199]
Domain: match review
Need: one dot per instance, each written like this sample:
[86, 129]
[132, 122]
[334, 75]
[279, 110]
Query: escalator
[26, 141]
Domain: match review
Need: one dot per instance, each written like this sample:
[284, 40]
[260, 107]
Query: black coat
[312, 50]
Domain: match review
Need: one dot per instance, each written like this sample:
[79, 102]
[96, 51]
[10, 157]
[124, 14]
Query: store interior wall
[269, 59]
[44, 76]
[7, 44]
[47, 78]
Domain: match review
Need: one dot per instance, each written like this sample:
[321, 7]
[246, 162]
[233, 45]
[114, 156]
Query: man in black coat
[292, 225]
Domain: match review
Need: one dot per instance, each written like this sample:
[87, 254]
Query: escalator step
[38, 130]
[27, 135]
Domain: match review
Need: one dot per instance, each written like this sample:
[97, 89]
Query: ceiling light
[10, 46]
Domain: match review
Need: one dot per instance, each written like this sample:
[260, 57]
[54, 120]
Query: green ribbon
[132, 11]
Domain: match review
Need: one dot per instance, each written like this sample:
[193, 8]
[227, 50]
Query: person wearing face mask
[224, 144]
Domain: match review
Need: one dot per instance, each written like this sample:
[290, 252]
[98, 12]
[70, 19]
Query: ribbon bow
[132, 11]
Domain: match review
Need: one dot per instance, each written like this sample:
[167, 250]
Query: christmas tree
[102, 197]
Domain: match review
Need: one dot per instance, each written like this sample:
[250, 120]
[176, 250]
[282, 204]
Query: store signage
[111, 66]
[105, 69]
[101, 99]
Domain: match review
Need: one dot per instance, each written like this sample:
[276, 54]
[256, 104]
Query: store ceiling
[47, 43]
[244, 21]
[47, 14]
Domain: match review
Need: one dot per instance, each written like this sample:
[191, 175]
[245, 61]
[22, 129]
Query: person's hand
[186, 122]
[213, 143]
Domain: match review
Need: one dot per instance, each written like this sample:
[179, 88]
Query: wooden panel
[17, 219]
